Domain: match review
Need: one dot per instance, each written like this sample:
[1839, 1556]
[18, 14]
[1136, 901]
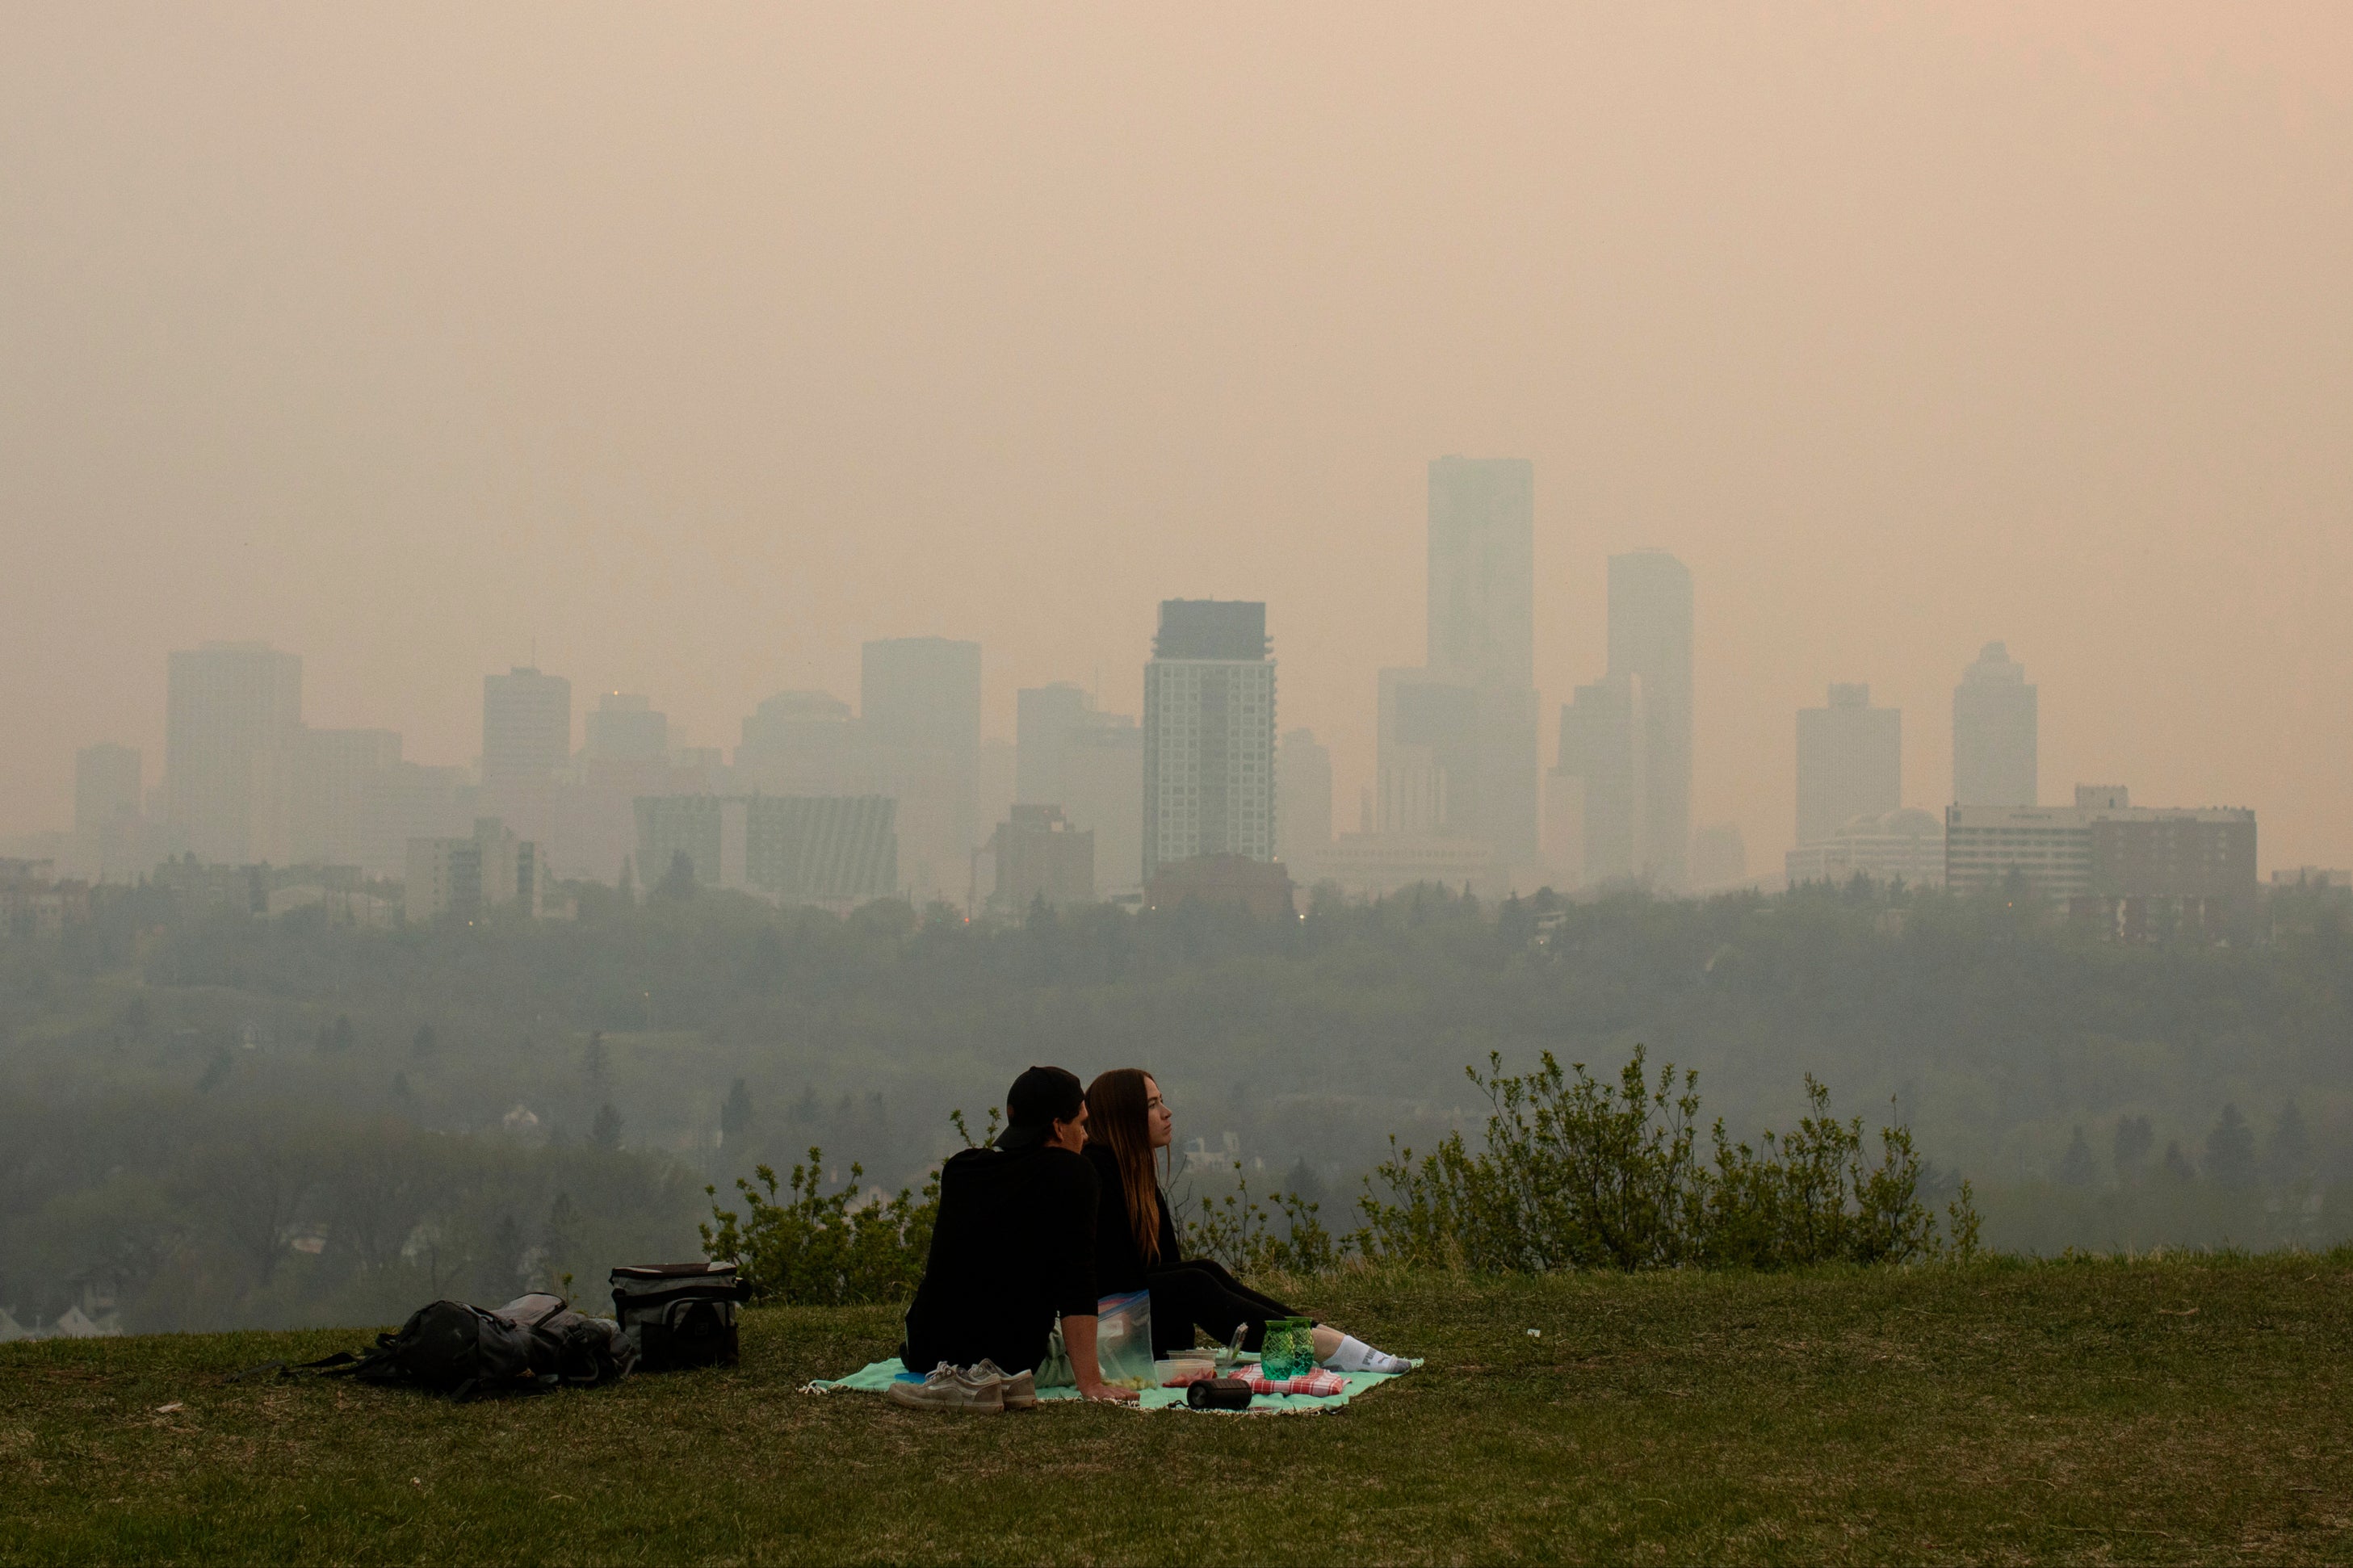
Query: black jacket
[1120, 1267]
[1014, 1244]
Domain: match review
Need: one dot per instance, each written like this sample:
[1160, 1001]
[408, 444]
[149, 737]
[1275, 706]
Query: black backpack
[679, 1314]
[532, 1342]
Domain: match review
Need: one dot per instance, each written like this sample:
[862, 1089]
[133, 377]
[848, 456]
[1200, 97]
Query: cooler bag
[679, 1314]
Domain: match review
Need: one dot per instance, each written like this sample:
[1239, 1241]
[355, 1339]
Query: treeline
[180, 1211]
[704, 1033]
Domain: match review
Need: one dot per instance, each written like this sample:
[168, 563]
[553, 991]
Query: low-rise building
[1260, 886]
[830, 850]
[2138, 873]
[1905, 846]
[1039, 854]
[1374, 865]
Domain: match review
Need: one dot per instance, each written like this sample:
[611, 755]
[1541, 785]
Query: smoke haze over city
[683, 353]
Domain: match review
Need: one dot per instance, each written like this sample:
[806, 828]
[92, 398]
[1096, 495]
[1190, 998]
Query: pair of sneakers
[986, 1386]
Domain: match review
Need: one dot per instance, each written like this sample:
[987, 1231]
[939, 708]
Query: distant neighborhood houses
[73, 1323]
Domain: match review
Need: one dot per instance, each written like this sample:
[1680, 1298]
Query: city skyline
[703, 351]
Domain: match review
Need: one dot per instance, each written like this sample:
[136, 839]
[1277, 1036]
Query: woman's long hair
[1118, 1113]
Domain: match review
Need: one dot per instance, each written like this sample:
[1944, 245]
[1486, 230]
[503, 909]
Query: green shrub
[1579, 1174]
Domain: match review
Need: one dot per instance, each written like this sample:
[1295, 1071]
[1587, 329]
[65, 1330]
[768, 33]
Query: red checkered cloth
[1319, 1383]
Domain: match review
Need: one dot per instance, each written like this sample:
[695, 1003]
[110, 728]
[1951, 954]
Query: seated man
[1014, 1244]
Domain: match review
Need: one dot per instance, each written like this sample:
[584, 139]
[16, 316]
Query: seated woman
[1135, 1238]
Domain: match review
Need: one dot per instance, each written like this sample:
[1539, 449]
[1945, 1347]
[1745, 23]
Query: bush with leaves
[1238, 1232]
[820, 1248]
[1576, 1173]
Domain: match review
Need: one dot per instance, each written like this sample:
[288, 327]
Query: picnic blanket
[879, 1376]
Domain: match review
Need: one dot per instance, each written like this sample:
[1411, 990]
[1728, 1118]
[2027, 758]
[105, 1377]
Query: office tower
[337, 774]
[1849, 761]
[109, 825]
[1209, 734]
[1651, 647]
[625, 728]
[1600, 751]
[410, 800]
[919, 710]
[1482, 569]
[1719, 856]
[801, 742]
[526, 731]
[1994, 732]
[1458, 738]
[228, 730]
[1302, 828]
[1102, 786]
[1045, 717]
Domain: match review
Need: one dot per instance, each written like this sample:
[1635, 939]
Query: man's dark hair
[1039, 1098]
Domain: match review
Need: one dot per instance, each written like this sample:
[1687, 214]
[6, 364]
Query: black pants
[1200, 1293]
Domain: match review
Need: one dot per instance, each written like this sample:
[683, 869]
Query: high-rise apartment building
[229, 724]
[1849, 761]
[919, 713]
[1208, 735]
[1303, 773]
[1650, 647]
[1994, 732]
[467, 877]
[1458, 737]
[526, 731]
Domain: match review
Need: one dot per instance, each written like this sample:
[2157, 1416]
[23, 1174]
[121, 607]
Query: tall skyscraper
[107, 788]
[802, 742]
[1849, 761]
[1102, 784]
[1458, 737]
[110, 838]
[1994, 732]
[1209, 734]
[1600, 750]
[1483, 571]
[1626, 740]
[1045, 717]
[229, 723]
[526, 731]
[1304, 797]
[1651, 645]
[919, 712]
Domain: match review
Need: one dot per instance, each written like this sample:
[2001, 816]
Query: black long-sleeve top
[1014, 1244]
[1120, 1267]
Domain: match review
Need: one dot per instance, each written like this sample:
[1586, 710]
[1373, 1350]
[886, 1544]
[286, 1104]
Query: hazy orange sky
[692, 346]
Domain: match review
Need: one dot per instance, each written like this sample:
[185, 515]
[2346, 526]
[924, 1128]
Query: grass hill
[2183, 1409]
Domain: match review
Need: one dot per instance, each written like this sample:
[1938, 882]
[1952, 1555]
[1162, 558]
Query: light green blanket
[877, 1377]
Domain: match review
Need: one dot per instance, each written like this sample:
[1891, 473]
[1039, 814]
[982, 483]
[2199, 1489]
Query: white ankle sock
[1355, 1355]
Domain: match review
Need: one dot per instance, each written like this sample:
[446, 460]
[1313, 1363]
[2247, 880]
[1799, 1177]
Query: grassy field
[2185, 1410]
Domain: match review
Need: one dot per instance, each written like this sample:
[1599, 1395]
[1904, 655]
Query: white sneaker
[1020, 1387]
[945, 1388]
